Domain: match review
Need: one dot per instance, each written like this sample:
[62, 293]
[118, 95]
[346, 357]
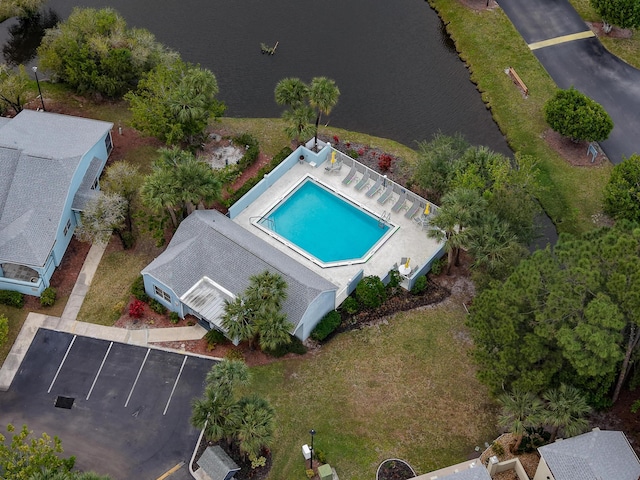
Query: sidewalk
[68, 323]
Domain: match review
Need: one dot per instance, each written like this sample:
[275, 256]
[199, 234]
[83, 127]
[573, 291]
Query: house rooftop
[596, 455]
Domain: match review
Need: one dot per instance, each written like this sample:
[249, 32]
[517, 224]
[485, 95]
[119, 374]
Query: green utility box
[324, 472]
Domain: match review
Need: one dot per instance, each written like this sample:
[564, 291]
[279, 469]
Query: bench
[518, 81]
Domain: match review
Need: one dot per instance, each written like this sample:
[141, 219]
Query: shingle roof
[35, 180]
[216, 463]
[85, 191]
[596, 455]
[477, 473]
[208, 243]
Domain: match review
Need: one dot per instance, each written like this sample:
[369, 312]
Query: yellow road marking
[563, 39]
[171, 472]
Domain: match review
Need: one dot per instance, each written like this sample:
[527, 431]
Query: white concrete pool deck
[410, 240]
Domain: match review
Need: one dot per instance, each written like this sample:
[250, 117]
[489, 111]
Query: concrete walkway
[573, 56]
[69, 323]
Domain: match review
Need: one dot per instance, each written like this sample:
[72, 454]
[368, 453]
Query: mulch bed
[394, 470]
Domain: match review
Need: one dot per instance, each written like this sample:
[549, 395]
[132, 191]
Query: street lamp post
[312, 432]
[35, 71]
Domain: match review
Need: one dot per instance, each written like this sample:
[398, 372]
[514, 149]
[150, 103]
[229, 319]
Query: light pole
[35, 71]
[312, 432]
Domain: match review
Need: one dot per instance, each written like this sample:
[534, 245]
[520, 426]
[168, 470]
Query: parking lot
[122, 410]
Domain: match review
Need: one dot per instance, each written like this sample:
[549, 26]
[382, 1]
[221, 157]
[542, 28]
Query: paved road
[585, 64]
[131, 405]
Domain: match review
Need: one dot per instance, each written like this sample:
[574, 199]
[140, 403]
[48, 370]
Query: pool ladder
[271, 223]
[384, 219]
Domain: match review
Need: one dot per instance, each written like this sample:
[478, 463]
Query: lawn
[403, 389]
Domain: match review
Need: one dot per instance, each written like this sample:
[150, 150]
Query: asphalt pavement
[581, 61]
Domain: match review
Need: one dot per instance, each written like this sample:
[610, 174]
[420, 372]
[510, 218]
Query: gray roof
[35, 180]
[85, 191]
[596, 455]
[208, 243]
[477, 473]
[216, 463]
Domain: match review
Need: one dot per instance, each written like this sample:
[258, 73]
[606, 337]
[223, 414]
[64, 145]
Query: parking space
[122, 410]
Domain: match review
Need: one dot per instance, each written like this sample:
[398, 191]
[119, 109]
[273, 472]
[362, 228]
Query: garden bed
[246, 472]
[395, 469]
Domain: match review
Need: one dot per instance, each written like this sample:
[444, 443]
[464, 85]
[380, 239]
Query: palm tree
[460, 209]
[159, 192]
[273, 329]
[565, 409]
[291, 92]
[323, 96]
[520, 410]
[228, 374]
[266, 290]
[214, 412]
[254, 424]
[299, 120]
[237, 320]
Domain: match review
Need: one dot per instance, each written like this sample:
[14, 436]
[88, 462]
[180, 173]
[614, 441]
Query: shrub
[118, 308]
[174, 317]
[384, 162]
[497, 448]
[4, 329]
[256, 461]
[234, 355]
[251, 153]
[157, 307]
[136, 309]
[320, 455]
[352, 153]
[336, 139]
[137, 289]
[310, 473]
[11, 298]
[48, 297]
[326, 326]
[420, 285]
[438, 265]
[294, 346]
[533, 438]
[371, 292]
[394, 278]
[249, 184]
[214, 337]
[350, 305]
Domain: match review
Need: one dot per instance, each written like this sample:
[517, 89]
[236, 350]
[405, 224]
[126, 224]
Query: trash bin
[306, 452]
[324, 472]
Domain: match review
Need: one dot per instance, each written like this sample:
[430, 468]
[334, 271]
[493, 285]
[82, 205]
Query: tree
[123, 179]
[319, 97]
[565, 409]
[460, 210]
[93, 51]
[623, 13]
[20, 8]
[25, 457]
[273, 329]
[254, 424]
[519, 410]
[237, 320]
[323, 96]
[572, 114]
[4, 329]
[103, 214]
[48, 474]
[622, 192]
[14, 87]
[175, 102]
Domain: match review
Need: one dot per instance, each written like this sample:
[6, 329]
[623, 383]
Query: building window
[95, 185]
[67, 227]
[108, 143]
[162, 294]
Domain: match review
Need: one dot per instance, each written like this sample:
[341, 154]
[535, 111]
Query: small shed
[217, 464]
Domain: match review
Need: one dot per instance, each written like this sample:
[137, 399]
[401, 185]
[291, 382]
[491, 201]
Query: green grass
[406, 389]
[489, 43]
[16, 317]
[109, 291]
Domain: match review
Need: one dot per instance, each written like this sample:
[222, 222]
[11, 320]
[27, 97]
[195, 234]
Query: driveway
[129, 406]
[585, 64]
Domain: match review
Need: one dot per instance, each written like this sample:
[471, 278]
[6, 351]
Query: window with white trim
[67, 227]
[161, 294]
[108, 142]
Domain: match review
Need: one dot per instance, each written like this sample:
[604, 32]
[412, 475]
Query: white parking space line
[99, 370]
[137, 377]
[61, 363]
[174, 386]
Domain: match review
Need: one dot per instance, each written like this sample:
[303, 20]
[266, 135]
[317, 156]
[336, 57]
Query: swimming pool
[325, 226]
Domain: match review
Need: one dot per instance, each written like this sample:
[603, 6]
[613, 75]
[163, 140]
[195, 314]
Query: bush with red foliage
[384, 162]
[136, 309]
[336, 139]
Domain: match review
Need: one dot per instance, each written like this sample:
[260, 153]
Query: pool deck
[410, 240]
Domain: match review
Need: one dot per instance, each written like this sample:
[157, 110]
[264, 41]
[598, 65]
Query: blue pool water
[324, 225]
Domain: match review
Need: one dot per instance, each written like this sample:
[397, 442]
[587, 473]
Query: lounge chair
[386, 195]
[376, 186]
[402, 199]
[413, 210]
[422, 220]
[333, 167]
[350, 176]
[363, 181]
